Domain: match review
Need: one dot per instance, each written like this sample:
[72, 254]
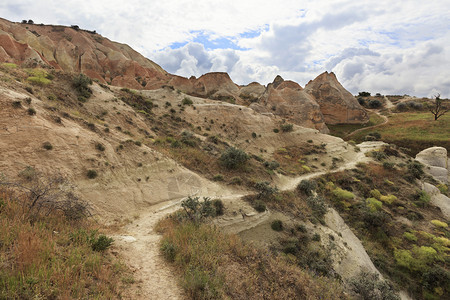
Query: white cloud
[376, 45]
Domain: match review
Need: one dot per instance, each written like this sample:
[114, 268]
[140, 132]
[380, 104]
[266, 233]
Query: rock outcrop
[436, 161]
[336, 103]
[75, 50]
[288, 100]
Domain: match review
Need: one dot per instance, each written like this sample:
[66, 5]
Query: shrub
[389, 199]
[415, 169]
[439, 224]
[443, 188]
[306, 169]
[388, 165]
[277, 225]
[233, 158]
[198, 210]
[265, 190]
[375, 103]
[47, 146]
[374, 204]
[187, 101]
[341, 194]
[410, 236]
[317, 205]
[259, 206]
[99, 147]
[307, 186]
[276, 130]
[17, 104]
[91, 174]
[272, 165]
[422, 199]
[364, 94]
[401, 106]
[101, 243]
[37, 80]
[29, 89]
[375, 194]
[169, 250]
[236, 180]
[218, 177]
[81, 84]
[369, 286]
[31, 111]
[219, 207]
[287, 127]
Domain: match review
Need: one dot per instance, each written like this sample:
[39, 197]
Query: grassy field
[50, 257]
[413, 130]
[341, 130]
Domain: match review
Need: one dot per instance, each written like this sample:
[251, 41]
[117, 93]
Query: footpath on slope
[138, 242]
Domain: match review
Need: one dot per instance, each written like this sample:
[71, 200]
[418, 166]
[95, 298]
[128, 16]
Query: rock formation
[287, 99]
[436, 161]
[75, 50]
[336, 103]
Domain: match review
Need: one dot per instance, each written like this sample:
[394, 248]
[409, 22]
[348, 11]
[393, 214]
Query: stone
[338, 105]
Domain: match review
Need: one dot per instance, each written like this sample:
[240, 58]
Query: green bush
[443, 188]
[277, 225]
[187, 101]
[318, 206]
[218, 177]
[219, 207]
[169, 250]
[99, 147]
[47, 146]
[374, 204]
[375, 194]
[31, 111]
[259, 206]
[287, 127]
[199, 210]
[91, 174]
[307, 186]
[17, 104]
[410, 236]
[39, 80]
[415, 169]
[265, 190]
[81, 84]
[272, 165]
[422, 199]
[341, 194]
[101, 243]
[439, 224]
[233, 158]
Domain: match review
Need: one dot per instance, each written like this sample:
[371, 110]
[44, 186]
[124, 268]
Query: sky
[379, 46]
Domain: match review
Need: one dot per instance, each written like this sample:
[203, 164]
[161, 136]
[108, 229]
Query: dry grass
[215, 265]
[50, 257]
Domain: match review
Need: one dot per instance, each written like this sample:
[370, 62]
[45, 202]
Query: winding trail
[385, 121]
[138, 242]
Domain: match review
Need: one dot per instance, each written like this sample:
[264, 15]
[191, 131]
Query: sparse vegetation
[81, 84]
[233, 158]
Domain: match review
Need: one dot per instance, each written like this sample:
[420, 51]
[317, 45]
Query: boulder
[438, 199]
[436, 161]
[338, 106]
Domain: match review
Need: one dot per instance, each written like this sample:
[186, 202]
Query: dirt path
[139, 245]
[138, 242]
[385, 121]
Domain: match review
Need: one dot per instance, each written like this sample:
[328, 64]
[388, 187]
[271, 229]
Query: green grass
[413, 130]
[341, 130]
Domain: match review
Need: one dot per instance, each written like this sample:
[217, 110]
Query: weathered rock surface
[73, 50]
[438, 199]
[288, 100]
[436, 161]
[336, 103]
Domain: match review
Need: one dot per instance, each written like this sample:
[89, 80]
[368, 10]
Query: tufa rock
[338, 106]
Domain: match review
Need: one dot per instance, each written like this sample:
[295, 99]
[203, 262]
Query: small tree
[438, 107]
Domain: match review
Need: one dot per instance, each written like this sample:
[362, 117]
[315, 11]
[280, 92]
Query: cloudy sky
[385, 46]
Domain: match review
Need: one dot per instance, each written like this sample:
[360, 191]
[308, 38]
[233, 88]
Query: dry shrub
[215, 265]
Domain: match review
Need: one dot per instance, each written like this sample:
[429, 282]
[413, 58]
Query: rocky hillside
[72, 49]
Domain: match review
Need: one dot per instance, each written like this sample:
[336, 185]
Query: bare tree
[438, 108]
[42, 194]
